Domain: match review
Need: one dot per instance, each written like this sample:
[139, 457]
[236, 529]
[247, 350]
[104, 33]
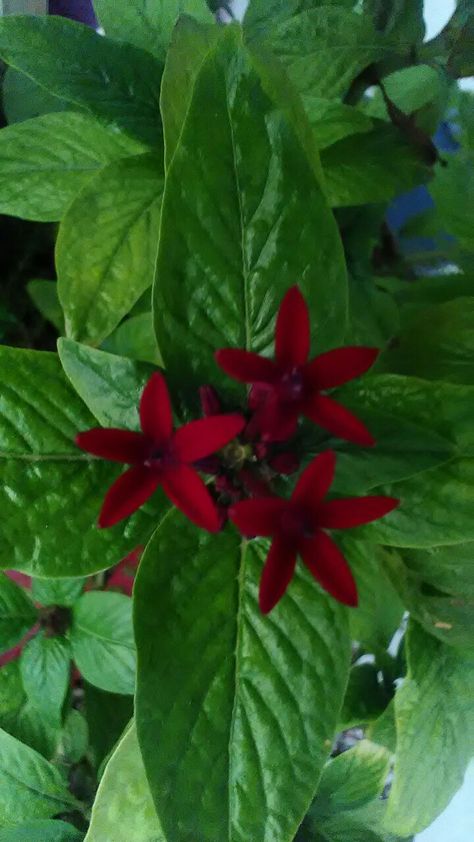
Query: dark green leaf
[450, 569]
[45, 296]
[453, 193]
[415, 295]
[23, 99]
[117, 214]
[434, 731]
[74, 741]
[45, 162]
[17, 613]
[147, 23]
[45, 672]
[365, 697]
[51, 492]
[400, 18]
[124, 783]
[420, 88]
[117, 82]
[235, 711]
[42, 831]
[109, 385]
[135, 338]
[19, 718]
[102, 641]
[107, 715]
[374, 314]
[383, 731]
[254, 159]
[453, 46]
[57, 591]
[332, 120]
[263, 15]
[31, 787]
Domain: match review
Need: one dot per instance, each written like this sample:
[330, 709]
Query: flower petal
[315, 481]
[326, 563]
[276, 420]
[203, 437]
[292, 334]
[354, 511]
[337, 420]
[277, 574]
[336, 367]
[155, 410]
[260, 516]
[116, 445]
[246, 366]
[186, 490]
[128, 493]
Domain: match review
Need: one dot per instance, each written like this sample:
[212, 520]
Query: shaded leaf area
[239, 773]
[107, 715]
[45, 672]
[17, 613]
[42, 831]
[20, 718]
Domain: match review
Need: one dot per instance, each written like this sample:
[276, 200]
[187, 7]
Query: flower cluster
[244, 453]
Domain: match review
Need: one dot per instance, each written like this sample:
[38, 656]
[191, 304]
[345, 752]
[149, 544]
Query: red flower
[297, 527]
[290, 386]
[161, 456]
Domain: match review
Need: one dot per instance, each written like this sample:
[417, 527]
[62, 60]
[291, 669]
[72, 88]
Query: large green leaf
[45, 672]
[124, 784]
[453, 193]
[117, 214]
[51, 492]
[135, 338]
[223, 271]
[262, 15]
[117, 82]
[31, 787]
[102, 641]
[437, 344]
[147, 23]
[236, 712]
[42, 831]
[366, 698]
[450, 569]
[17, 613]
[109, 385]
[23, 99]
[19, 718]
[44, 162]
[433, 708]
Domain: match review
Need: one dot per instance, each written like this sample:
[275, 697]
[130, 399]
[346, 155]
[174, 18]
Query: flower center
[291, 386]
[293, 522]
[159, 458]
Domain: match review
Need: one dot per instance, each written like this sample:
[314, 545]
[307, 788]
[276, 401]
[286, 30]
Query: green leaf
[262, 15]
[57, 591]
[44, 295]
[272, 197]
[433, 708]
[236, 712]
[45, 671]
[374, 314]
[46, 481]
[109, 385]
[450, 569]
[124, 783]
[453, 46]
[453, 192]
[135, 338]
[376, 170]
[117, 214]
[107, 715]
[147, 23]
[102, 641]
[419, 89]
[17, 613]
[74, 742]
[365, 697]
[332, 120]
[31, 787]
[190, 43]
[400, 18]
[427, 291]
[45, 162]
[23, 99]
[19, 718]
[117, 82]
[42, 831]
[437, 344]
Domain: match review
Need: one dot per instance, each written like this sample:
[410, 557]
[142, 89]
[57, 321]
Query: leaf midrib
[88, 633]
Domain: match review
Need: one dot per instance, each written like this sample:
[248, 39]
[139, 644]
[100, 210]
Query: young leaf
[236, 711]
[42, 831]
[57, 591]
[117, 214]
[102, 641]
[45, 670]
[31, 787]
[122, 784]
[45, 162]
[118, 82]
[433, 708]
[223, 272]
[44, 295]
[135, 338]
[109, 385]
[147, 23]
[50, 491]
[17, 613]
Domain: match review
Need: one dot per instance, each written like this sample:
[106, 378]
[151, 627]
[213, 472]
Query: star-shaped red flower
[298, 527]
[290, 386]
[161, 456]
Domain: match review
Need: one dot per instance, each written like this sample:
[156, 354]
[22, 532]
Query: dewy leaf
[236, 712]
[124, 784]
[44, 295]
[109, 385]
[50, 491]
[147, 23]
[223, 270]
[433, 709]
[57, 591]
[45, 162]
[17, 613]
[102, 641]
[117, 214]
[42, 831]
[45, 669]
[31, 787]
[117, 82]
